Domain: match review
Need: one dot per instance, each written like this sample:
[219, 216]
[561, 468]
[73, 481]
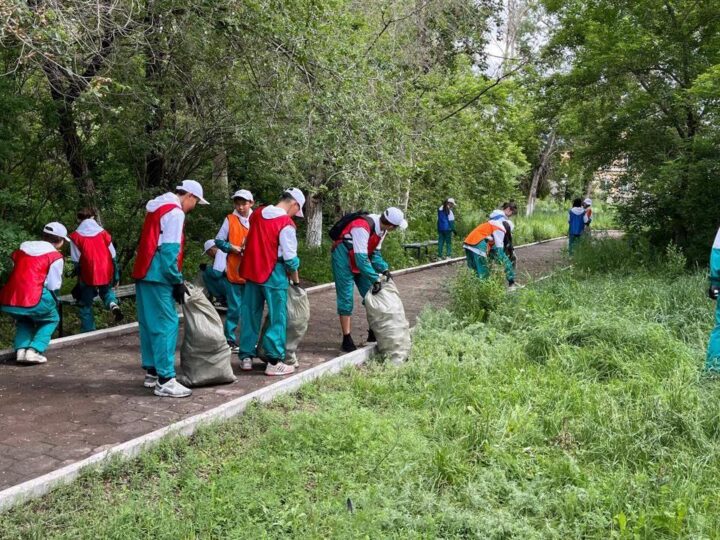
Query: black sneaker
[117, 312]
[348, 345]
[371, 337]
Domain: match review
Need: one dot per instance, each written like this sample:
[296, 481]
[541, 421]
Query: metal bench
[417, 246]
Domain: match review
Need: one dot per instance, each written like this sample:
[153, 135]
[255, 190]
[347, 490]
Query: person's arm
[53, 281]
[116, 268]
[715, 261]
[360, 239]
[171, 225]
[288, 252]
[221, 239]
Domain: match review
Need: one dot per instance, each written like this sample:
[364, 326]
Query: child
[487, 241]
[446, 227]
[587, 205]
[29, 295]
[93, 255]
[577, 219]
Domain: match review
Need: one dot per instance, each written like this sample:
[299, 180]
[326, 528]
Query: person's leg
[441, 242]
[107, 295]
[712, 362]
[24, 330]
[234, 302]
[46, 319]
[343, 277]
[252, 311]
[144, 305]
[164, 330]
[86, 297]
[448, 243]
[276, 334]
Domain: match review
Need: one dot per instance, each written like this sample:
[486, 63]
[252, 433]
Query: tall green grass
[577, 410]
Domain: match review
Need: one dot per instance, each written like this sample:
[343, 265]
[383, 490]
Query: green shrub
[473, 299]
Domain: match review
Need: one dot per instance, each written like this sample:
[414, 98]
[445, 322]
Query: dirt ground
[89, 397]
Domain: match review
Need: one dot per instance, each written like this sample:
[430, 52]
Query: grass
[578, 410]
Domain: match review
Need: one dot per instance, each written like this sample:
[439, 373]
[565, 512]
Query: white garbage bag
[205, 354]
[386, 317]
[298, 317]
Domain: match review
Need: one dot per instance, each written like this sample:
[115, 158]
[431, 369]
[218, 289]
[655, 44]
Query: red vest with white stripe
[149, 238]
[373, 241]
[96, 264]
[261, 246]
[27, 280]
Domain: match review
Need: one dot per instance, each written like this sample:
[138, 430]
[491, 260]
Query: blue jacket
[577, 219]
[446, 222]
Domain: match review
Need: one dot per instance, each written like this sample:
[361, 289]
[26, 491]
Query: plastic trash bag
[204, 355]
[298, 317]
[386, 317]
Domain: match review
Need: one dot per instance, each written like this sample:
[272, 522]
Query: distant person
[357, 261]
[29, 296]
[712, 361]
[159, 283]
[587, 205]
[231, 240]
[446, 228]
[214, 274]
[509, 209]
[94, 259]
[487, 241]
[269, 266]
[577, 219]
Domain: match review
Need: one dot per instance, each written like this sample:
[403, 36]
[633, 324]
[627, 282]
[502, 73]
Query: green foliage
[473, 299]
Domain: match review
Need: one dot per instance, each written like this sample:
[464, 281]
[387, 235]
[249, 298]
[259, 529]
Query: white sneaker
[279, 370]
[172, 388]
[21, 353]
[234, 349]
[246, 364]
[33, 357]
[150, 381]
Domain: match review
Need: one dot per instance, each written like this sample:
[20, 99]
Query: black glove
[387, 274]
[714, 292]
[203, 267]
[377, 287]
[295, 283]
[75, 292]
[179, 292]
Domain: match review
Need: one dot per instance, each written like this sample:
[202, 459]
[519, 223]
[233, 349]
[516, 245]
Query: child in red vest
[269, 265]
[29, 295]
[93, 255]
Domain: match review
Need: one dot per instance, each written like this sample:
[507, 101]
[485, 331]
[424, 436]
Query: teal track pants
[573, 239]
[159, 323]
[255, 297]
[34, 326]
[85, 302]
[712, 362]
[445, 241]
[345, 281]
[216, 283]
[478, 263]
[234, 296]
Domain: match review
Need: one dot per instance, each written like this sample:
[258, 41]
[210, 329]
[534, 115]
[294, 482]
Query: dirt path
[90, 396]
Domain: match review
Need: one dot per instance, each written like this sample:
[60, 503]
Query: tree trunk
[220, 170]
[540, 173]
[74, 153]
[314, 220]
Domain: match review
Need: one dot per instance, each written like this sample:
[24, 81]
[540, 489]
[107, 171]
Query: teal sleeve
[223, 245]
[168, 254]
[715, 266]
[292, 264]
[366, 269]
[378, 263]
[506, 262]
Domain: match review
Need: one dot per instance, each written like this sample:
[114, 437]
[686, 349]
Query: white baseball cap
[451, 200]
[57, 229]
[194, 188]
[588, 202]
[296, 194]
[208, 244]
[243, 194]
[395, 216]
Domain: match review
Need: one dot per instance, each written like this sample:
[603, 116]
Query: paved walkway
[89, 396]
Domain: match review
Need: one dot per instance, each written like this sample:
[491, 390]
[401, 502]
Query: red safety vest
[484, 231]
[373, 241]
[149, 238]
[25, 286]
[236, 235]
[261, 246]
[96, 264]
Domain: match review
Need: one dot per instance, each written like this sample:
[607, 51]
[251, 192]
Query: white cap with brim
[395, 216]
[208, 244]
[588, 202]
[296, 194]
[243, 194]
[56, 229]
[194, 188]
[451, 200]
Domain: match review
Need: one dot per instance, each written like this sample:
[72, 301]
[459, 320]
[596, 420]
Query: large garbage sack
[205, 354]
[298, 317]
[386, 317]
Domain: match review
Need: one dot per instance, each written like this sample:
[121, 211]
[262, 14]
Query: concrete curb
[41, 485]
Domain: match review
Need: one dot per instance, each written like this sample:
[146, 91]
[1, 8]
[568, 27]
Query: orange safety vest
[236, 236]
[484, 231]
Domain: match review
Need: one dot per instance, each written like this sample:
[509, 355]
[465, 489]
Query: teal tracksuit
[712, 362]
[370, 268]
[215, 283]
[273, 293]
[34, 326]
[234, 293]
[481, 264]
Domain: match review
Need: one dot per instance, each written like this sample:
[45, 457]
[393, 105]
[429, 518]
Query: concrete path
[89, 396]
